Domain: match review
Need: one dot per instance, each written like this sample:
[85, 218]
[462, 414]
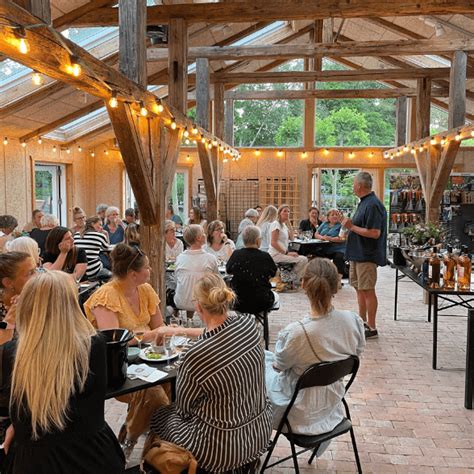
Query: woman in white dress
[268, 216]
[325, 334]
[281, 232]
[218, 244]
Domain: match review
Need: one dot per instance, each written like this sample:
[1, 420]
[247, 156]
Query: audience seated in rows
[251, 270]
[61, 253]
[312, 223]
[26, 245]
[195, 217]
[58, 386]
[218, 244]
[93, 241]
[268, 216]
[7, 225]
[221, 414]
[191, 265]
[281, 233]
[114, 226]
[250, 218]
[35, 222]
[324, 334]
[173, 245]
[48, 222]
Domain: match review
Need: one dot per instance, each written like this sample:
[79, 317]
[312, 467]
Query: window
[50, 190]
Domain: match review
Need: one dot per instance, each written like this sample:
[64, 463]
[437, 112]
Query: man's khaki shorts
[363, 275]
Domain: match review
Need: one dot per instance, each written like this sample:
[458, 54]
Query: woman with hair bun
[324, 335]
[221, 414]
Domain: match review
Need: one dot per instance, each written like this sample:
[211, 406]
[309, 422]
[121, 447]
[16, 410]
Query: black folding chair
[318, 375]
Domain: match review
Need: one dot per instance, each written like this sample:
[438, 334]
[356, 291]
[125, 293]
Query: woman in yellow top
[128, 301]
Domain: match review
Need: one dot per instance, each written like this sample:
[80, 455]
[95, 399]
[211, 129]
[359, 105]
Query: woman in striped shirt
[93, 241]
[222, 413]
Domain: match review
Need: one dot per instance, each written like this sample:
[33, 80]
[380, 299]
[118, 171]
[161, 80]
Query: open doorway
[50, 190]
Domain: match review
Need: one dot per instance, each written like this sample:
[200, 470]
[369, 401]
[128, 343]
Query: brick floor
[408, 418]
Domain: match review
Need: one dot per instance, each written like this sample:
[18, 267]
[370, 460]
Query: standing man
[366, 248]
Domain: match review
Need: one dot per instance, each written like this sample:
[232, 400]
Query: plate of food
[155, 354]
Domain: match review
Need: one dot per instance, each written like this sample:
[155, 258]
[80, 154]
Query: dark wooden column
[457, 90]
[401, 121]
[423, 107]
[229, 122]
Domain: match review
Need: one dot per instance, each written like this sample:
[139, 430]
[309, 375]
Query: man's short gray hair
[364, 179]
[101, 207]
[250, 235]
[251, 213]
[191, 233]
[49, 220]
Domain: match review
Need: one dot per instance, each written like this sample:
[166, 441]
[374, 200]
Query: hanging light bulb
[413, 151]
[458, 137]
[92, 154]
[258, 152]
[74, 67]
[186, 133]
[214, 143]
[54, 148]
[472, 133]
[187, 141]
[405, 148]
[113, 102]
[443, 141]
[79, 148]
[209, 145]
[143, 109]
[221, 147]
[194, 130]
[23, 144]
[106, 152]
[159, 106]
[188, 157]
[5, 141]
[351, 154]
[40, 140]
[203, 139]
[304, 155]
[433, 141]
[391, 156]
[279, 153]
[37, 78]
[173, 124]
[385, 154]
[371, 154]
[23, 46]
[68, 151]
[326, 152]
[225, 160]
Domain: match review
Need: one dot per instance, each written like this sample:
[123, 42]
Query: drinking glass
[138, 335]
[168, 349]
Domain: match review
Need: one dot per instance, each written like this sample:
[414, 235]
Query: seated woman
[57, 401]
[195, 217]
[114, 226]
[35, 222]
[251, 270]
[61, 253]
[93, 241]
[325, 334]
[312, 223]
[173, 246]
[281, 233]
[7, 225]
[224, 424]
[129, 301]
[329, 231]
[48, 222]
[26, 245]
[268, 216]
[218, 244]
[79, 220]
[132, 235]
[250, 218]
[170, 215]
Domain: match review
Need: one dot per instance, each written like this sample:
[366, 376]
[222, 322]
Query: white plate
[163, 358]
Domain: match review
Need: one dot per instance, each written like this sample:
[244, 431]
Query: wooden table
[449, 299]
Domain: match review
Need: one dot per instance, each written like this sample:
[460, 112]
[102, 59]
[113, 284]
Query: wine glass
[168, 349]
[138, 335]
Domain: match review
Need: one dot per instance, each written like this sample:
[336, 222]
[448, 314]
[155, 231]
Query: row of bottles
[448, 267]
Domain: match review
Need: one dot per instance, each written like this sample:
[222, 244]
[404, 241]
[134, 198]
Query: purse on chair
[166, 457]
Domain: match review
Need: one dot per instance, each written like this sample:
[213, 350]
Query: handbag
[309, 342]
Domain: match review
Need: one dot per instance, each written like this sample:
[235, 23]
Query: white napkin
[144, 372]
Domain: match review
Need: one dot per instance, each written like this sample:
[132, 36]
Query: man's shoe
[366, 326]
[371, 333]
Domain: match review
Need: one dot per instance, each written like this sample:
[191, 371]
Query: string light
[186, 133]
[143, 109]
[371, 154]
[188, 157]
[23, 144]
[92, 154]
[187, 141]
[5, 141]
[258, 152]
[214, 143]
[304, 155]
[40, 140]
[209, 145]
[433, 141]
[194, 130]
[203, 139]
[225, 160]
[74, 68]
[159, 106]
[221, 147]
[68, 151]
[326, 152]
[413, 151]
[279, 153]
[472, 133]
[351, 154]
[173, 124]
[391, 156]
[79, 148]
[405, 148]
[458, 137]
[37, 79]
[113, 102]
[54, 148]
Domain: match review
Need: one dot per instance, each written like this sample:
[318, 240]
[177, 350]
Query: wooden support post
[229, 122]
[457, 90]
[412, 120]
[311, 64]
[423, 107]
[219, 110]
[202, 92]
[401, 121]
[39, 8]
[178, 64]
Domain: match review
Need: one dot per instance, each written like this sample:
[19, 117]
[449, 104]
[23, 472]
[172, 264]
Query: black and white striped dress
[222, 413]
[93, 243]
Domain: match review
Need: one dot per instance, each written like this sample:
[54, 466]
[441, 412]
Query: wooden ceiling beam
[248, 11]
[68, 18]
[291, 51]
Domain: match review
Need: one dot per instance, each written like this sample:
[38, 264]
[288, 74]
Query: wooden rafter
[291, 51]
[248, 11]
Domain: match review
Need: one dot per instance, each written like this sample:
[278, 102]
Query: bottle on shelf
[464, 269]
[449, 269]
[434, 269]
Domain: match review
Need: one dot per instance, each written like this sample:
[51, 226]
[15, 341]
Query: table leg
[396, 295]
[429, 307]
[469, 383]
[435, 329]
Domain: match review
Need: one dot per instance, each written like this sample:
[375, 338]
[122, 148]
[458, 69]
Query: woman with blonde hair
[132, 236]
[79, 219]
[218, 244]
[214, 406]
[173, 246]
[325, 334]
[195, 217]
[58, 386]
[114, 225]
[281, 232]
[268, 216]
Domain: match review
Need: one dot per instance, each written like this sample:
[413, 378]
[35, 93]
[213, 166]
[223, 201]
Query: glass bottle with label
[464, 270]
[449, 269]
[434, 269]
